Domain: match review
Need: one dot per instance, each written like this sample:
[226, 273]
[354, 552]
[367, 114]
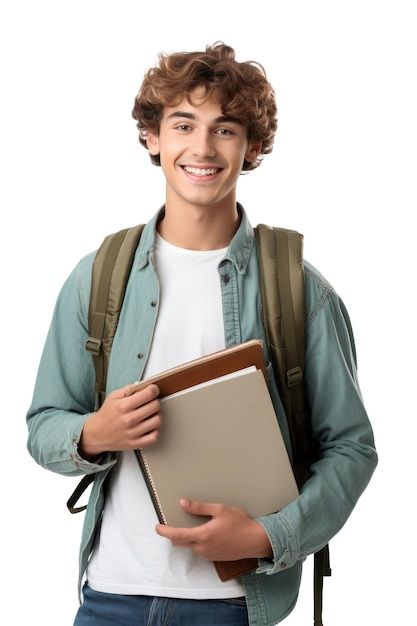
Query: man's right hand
[122, 423]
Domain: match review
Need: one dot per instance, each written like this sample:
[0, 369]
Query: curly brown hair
[244, 93]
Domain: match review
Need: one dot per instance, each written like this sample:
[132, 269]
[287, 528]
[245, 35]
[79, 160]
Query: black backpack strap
[321, 569]
[78, 492]
[111, 269]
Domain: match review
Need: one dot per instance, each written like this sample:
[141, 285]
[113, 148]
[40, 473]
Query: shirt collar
[238, 251]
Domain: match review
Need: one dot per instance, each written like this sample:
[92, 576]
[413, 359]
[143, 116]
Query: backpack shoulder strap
[281, 269]
[280, 256]
[111, 269]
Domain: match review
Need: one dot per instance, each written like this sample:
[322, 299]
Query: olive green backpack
[280, 261]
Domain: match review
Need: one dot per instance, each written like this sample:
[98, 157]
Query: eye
[183, 127]
[225, 132]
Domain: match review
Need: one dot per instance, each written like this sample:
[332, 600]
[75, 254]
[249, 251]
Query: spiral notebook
[220, 442]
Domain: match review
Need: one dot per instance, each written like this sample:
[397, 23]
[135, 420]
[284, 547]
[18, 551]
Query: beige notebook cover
[220, 443]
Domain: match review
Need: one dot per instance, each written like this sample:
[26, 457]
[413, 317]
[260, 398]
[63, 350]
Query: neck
[199, 228]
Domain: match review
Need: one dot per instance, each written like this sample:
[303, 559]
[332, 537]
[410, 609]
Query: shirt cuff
[101, 463]
[282, 538]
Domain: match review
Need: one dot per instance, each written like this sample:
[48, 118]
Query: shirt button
[226, 278]
[140, 355]
[153, 303]
[283, 565]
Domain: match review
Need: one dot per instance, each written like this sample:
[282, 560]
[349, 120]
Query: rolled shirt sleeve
[347, 455]
[63, 398]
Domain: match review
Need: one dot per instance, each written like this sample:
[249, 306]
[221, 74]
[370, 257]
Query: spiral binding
[152, 484]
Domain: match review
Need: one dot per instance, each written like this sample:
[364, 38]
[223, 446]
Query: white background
[342, 172]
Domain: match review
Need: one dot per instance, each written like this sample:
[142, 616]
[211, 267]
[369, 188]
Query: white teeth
[201, 172]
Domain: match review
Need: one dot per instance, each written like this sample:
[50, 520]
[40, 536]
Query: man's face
[201, 152]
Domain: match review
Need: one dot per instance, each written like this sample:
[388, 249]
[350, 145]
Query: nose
[203, 145]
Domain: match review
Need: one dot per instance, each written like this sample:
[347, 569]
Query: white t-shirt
[129, 556]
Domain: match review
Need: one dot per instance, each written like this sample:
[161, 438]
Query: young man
[194, 289]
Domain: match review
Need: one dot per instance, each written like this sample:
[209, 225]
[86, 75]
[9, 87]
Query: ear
[253, 150]
[152, 142]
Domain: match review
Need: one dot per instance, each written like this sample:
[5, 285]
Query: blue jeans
[109, 609]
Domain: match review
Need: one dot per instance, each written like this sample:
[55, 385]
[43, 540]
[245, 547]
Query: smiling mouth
[201, 172]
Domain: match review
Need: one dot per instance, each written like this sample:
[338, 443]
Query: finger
[197, 507]
[120, 393]
[137, 386]
[148, 410]
[178, 535]
[144, 441]
[145, 412]
[140, 398]
[145, 426]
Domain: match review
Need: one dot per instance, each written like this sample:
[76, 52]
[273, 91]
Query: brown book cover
[205, 368]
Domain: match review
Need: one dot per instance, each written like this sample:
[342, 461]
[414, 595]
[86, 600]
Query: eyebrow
[218, 120]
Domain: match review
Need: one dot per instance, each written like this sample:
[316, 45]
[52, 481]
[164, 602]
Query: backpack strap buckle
[294, 376]
[93, 346]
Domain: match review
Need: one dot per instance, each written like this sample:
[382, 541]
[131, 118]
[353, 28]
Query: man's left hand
[230, 534]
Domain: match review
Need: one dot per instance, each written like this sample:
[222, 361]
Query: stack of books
[220, 441]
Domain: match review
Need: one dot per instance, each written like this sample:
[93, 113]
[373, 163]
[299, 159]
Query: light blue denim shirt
[64, 398]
